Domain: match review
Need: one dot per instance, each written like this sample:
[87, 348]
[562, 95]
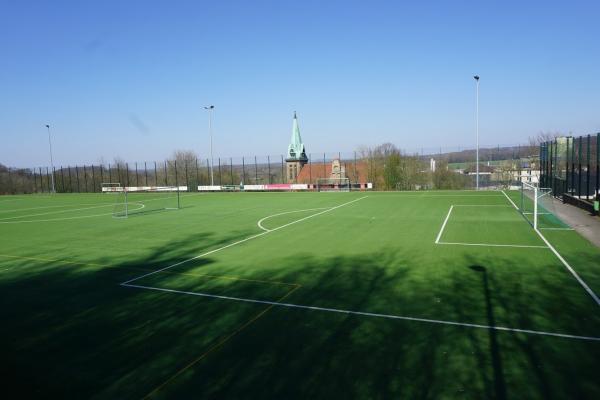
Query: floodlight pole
[477, 134]
[210, 108]
[51, 159]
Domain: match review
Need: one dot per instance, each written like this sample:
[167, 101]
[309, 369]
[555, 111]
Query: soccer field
[295, 295]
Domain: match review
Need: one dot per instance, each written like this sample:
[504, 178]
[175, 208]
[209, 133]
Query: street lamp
[51, 160]
[477, 133]
[210, 108]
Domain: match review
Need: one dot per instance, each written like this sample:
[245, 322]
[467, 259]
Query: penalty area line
[437, 240]
[370, 314]
[494, 245]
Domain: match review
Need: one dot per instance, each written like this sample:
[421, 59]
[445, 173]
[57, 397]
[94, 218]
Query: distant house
[356, 172]
[483, 170]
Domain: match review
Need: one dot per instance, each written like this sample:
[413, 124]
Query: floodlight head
[209, 107]
[48, 126]
[476, 77]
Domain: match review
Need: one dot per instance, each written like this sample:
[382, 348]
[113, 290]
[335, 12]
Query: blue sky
[130, 78]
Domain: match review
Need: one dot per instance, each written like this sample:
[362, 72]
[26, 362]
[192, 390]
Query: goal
[132, 201]
[111, 187]
[537, 207]
[333, 184]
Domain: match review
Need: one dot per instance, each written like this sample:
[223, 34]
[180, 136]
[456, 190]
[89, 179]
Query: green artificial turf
[228, 325]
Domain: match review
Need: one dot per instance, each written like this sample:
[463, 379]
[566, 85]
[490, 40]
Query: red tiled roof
[311, 172]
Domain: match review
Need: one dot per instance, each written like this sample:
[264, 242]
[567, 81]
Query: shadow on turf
[73, 332]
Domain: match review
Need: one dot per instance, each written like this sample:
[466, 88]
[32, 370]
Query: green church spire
[296, 149]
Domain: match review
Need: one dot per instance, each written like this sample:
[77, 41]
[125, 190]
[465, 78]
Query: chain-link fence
[385, 166]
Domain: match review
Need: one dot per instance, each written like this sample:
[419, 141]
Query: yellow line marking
[234, 278]
[217, 345]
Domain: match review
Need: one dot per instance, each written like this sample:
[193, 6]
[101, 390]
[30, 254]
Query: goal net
[333, 184]
[145, 200]
[538, 208]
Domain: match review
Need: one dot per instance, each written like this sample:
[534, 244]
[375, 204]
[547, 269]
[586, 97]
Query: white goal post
[529, 203]
[537, 206]
[333, 184]
[144, 200]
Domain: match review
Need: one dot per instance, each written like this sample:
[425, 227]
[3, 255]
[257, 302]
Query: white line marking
[370, 314]
[558, 229]
[563, 261]
[259, 223]
[65, 218]
[444, 225]
[244, 240]
[494, 245]
[136, 201]
[439, 195]
[56, 212]
[38, 208]
[480, 205]
[571, 270]
[509, 199]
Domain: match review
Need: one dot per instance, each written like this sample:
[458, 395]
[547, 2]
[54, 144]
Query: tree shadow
[71, 331]
[499, 384]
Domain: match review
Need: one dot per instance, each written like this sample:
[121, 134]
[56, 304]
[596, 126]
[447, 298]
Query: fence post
[166, 174]
[597, 192]
[155, 175]
[220, 176]
[587, 185]
[93, 179]
[579, 169]
[9, 190]
[127, 173]
[255, 171]
[145, 174]
[137, 179]
[77, 178]
[62, 178]
[243, 170]
[176, 180]
[356, 174]
[310, 168]
[573, 166]
[70, 179]
[197, 176]
[567, 168]
[187, 182]
[34, 185]
[269, 169]
[282, 171]
[208, 169]
[84, 179]
[231, 169]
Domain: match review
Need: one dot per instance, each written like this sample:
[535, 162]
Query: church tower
[296, 155]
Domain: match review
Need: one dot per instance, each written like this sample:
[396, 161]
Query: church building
[301, 170]
[296, 154]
